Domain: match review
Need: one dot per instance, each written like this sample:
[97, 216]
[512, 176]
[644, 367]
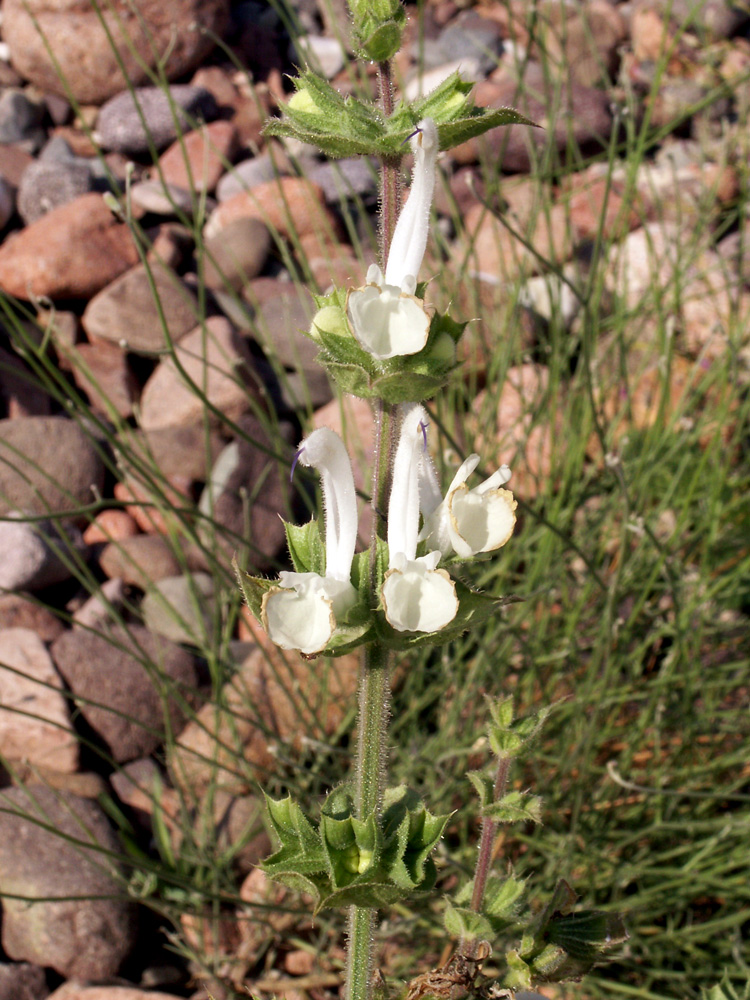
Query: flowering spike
[410, 235]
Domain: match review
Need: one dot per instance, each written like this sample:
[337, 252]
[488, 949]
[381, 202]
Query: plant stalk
[484, 856]
[374, 681]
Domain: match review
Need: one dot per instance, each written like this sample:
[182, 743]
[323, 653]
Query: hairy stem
[374, 683]
[484, 856]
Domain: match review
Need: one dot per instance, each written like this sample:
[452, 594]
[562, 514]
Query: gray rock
[246, 175]
[162, 199]
[57, 150]
[236, 254]
[176, 451]
[323, 54]
[471, 36]
[48, 183]
[125, 311]
[21, 981]
[140, 560]
[247, 492]
[122, 128]
[35, 553]
[181, 608]
[51, 850]
[125, 679]
[343, 179]
[47, 466]
[20, 120]
[97, 612]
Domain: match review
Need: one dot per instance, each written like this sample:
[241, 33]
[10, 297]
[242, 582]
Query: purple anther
[297, 454]
[423, 428]
[417, 131]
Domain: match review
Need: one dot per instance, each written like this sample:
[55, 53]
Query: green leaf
[515, 807]
[306, 547]
[253, 588]
[503, 898]
[484, 785]
[509, 736]
[726, 990]
[464, 923]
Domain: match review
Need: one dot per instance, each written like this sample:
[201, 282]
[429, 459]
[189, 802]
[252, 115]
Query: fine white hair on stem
[403, 505]
[409, 241]
[324, 451]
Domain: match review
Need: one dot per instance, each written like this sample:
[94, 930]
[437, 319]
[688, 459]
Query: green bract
[403, 379]
[344, 860]
[344, 126]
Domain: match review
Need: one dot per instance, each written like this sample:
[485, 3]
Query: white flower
[386, 317]
[409, 241]
[417, 597]
[387, 320]
[466, 522]
[301, 613]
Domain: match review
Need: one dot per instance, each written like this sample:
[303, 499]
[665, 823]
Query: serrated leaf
[306, 547]
[461, 922]
[253, 588]
[484, 785]
[515, 807]
[518, 976]
[503, 897]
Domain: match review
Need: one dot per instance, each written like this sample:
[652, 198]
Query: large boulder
[78, 35]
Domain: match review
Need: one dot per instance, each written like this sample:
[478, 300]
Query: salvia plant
[370, 845]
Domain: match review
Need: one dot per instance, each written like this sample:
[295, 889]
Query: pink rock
[198, 160]
[76, 991]
[493, 251]
[71, 252]
[110, 526]
[291, 206]
[80, 37]
[217, 361]
[34, 719]
[105, 376]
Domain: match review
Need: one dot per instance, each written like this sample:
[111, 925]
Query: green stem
[374, 682]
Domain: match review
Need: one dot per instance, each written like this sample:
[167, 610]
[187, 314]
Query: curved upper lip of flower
[386, 320]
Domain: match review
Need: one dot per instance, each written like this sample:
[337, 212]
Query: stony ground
[110, 560]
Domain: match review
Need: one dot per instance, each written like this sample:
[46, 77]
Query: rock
[140, 785]
[248, 105]
[13, 163]
[71, 252]
[273, 698]
[102, 371]
[585, 44]
[98, 611]
[20, 120]
[7, 201]
[46, 185]
[521, 434]
[237, 254]
[247, 174]
[131, 122]
[21, 981]
[425, 82]
[198, 160]
[125, 679]
[714, 315]
[347, 178]
[35, 553]
[597, 207]
[289, 206]
[126, 312]
[586, 120]
[713, 19]
[140, 560]
[162, 199]
[110, 526]
[20, 611]
[44, 855]
[645, 263]
[47, 466]
[325, 55]
[156, 506]
[35, 722]
[20, 389]
[491, 249]
[177, 34]
[246, 514]
[181, 608]
[187, 451]
[471, 36]
[217, 361]
[550, 297]
[78, 991]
